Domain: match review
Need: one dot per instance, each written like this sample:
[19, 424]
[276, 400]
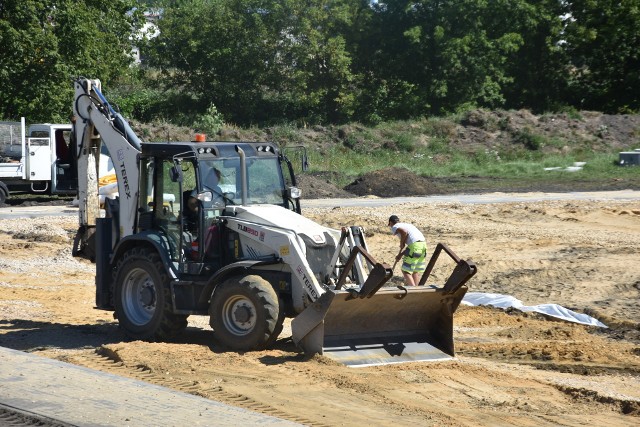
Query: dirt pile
[472, 130]
[389, 183]
[584, 130]
[317, 186]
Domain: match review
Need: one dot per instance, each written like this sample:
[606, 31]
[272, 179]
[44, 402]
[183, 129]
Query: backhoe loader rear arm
[94, 125]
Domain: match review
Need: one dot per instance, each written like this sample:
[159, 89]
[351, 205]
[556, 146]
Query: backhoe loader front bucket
[392, 325]
[395, 325]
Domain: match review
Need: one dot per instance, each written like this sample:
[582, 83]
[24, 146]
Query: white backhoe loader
[215, 228]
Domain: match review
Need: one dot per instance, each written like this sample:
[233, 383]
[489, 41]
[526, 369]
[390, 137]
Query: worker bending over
[413, 255]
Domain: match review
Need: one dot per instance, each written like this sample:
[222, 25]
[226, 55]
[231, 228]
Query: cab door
[64, 176]
[38, 159]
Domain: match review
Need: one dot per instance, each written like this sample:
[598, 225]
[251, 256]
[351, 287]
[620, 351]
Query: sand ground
[511, 368]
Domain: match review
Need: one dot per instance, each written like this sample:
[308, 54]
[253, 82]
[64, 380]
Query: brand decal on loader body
[123, 169]
[307, 283]
[248, 230]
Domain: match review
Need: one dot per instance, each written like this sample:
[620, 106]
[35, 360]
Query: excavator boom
[97, 123]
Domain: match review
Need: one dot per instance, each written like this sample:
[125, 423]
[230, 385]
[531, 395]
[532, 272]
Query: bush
[211, 122]
[284, 134]
[530, 140]
[137, 104]
[440, 128]
[405, 142]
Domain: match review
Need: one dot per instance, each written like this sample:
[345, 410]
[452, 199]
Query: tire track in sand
[104, 360]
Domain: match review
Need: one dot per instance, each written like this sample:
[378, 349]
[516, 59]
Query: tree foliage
[603, 41]
[320, 61]
[256, 59]
[434, 56]
[46, 43]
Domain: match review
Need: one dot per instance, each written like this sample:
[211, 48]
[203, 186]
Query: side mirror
[304, 159]
[176, 173]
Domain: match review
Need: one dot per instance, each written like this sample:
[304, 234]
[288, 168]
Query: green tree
[602, 39]
[46, 43]
[435, 56]
[256, 60]
[538, 68]
[312, 38]
[206, 53]
[473, 50]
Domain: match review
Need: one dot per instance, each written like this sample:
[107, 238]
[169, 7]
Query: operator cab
[186, 187]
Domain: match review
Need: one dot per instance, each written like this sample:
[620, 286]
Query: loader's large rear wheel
[245, 313]
[143, 297]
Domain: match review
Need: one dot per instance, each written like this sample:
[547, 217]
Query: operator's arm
[403, 240]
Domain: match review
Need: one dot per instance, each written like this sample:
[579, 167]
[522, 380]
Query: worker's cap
[393, 219]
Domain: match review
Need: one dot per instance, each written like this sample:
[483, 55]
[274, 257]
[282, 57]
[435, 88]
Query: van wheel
[245, 313]
[142, 297]
[4, 193]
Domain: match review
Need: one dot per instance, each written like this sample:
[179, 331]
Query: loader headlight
[294, 192]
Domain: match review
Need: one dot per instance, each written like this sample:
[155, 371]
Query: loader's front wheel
[245, 313]
[142, 297]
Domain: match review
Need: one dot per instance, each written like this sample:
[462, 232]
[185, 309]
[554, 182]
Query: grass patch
[475, 145]
[438, 161]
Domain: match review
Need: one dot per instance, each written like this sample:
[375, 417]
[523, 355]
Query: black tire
[4, 193]
[142, 297]
[279, 324]
[245, 313]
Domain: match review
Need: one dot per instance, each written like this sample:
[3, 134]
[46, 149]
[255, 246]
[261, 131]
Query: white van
[40, 160]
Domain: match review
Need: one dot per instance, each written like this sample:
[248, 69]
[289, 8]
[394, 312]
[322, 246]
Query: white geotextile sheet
[553, 310]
